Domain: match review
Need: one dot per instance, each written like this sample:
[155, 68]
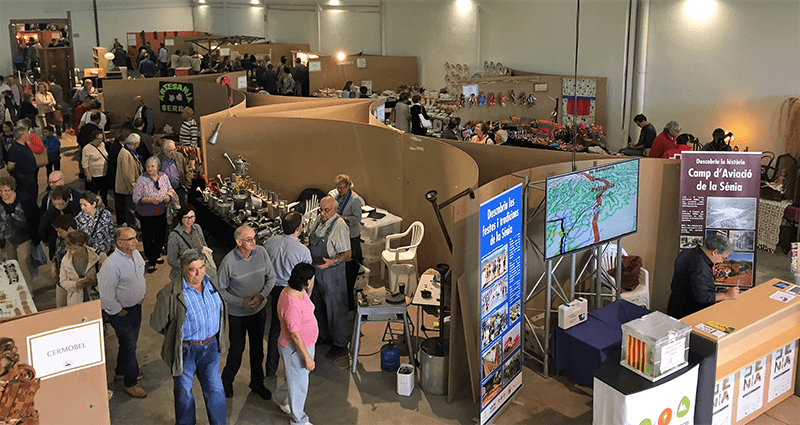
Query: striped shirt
[202, 312]
[340, 236]
[188, 135]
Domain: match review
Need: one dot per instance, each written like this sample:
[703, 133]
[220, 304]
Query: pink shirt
[297, 316]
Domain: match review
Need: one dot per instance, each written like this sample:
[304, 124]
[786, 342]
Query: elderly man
[329, 243]
[21, 164]
[145, 113]
[56, 178]
[191, 315]
[286, 251]
[693, 287]
[176, 167]
[129, 168]
[246, 278]
[122, 289]
[87, 90]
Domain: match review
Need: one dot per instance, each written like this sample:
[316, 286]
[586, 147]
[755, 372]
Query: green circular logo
[646, 422]
[683, 407]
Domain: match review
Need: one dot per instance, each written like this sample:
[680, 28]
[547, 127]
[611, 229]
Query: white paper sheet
[780, 371]
[751, 389]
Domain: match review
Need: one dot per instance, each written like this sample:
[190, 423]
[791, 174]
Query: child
[53, 147]
[63, 225]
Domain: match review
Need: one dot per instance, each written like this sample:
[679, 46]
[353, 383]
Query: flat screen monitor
[590, 207]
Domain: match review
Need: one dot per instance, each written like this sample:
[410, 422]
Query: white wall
[230, 19]
[115, 18]
[732, 71]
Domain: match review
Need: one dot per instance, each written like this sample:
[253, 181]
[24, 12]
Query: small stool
[406, 273]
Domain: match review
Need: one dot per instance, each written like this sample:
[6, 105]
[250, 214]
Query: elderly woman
[299, 332]
[79, 269]
[186, 235]
[189, 312]
[350, 210]
[480, 135]
[19, 221]
[97, 223]
[665, 141]
[94, 162]
[45, 105]
[151, 194]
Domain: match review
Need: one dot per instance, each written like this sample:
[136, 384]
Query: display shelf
[15, 300]
[98, 56]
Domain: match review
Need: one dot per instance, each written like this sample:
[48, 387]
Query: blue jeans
[632, 152]
[293, 392]
[330, 304]
[203, 361]
[127, 330]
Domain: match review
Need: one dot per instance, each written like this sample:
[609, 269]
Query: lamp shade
[109, 56]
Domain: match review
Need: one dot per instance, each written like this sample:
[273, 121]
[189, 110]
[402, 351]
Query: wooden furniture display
[99, 59]
[60, 63]
[18, 387]
[761, 325]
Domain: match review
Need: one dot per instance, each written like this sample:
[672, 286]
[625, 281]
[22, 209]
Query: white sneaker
[284, 407]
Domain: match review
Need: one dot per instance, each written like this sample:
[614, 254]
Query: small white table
[375, 230]
[426, 284]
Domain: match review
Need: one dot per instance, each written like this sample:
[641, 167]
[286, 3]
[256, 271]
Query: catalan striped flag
[636, 354]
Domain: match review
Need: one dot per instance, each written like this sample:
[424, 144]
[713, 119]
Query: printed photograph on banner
[689, 242]
[491, 359]
[737, 269]
[494, 295]
[494, 325]
[511, 340]
[743, 240]
[514, 312]
[731, 213]
[780, 371]
[492, 386]
[710, 232]
[494, 265]
[512, 367]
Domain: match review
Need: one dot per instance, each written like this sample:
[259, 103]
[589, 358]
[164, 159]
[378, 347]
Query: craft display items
[513, 97]
[481, 100]
[523, 101]
[531, 101]
[491, 100]
[503, 99]
[461, 101]
[18, 387]
[472, 100]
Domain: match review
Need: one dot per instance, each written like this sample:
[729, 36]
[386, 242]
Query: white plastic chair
[640, 295]
[404, 254]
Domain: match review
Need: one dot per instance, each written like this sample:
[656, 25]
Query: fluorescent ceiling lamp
[463, 5]
[334, 2]
[109, 56]
[700, 10]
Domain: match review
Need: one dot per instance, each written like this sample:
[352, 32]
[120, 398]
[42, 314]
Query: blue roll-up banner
[501, 273]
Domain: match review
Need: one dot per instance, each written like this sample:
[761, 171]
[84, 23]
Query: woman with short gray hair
[151, 195]
[665, 142]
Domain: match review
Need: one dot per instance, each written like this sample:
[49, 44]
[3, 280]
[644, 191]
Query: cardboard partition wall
[657, 228]
[384, 72]
[75, 397]
[545, 88]
[209, 97]
[390, 170]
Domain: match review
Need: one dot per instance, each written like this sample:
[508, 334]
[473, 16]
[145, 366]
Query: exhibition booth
[293, 144]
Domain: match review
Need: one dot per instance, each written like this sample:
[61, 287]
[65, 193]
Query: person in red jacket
[682, 145]
[666, 140]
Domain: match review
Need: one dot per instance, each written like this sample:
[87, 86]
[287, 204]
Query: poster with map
[591, 206]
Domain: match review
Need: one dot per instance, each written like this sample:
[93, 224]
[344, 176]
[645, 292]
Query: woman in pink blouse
[299, 333]
[151, 195]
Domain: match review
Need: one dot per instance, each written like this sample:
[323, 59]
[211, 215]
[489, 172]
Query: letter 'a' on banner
[501, 303]
[720, 194]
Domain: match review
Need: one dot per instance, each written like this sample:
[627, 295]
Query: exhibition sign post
[719, 194]
[174, 96]
[501, 283]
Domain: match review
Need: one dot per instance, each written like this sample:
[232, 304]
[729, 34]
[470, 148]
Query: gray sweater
[241, 278]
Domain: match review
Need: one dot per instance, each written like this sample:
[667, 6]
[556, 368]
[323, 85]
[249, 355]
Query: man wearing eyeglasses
[56, 178]
[329, 243]
[246, 277]
[122, 289]
[176, 167]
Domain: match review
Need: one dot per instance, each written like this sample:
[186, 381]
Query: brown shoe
[135, 391]
[122, 377]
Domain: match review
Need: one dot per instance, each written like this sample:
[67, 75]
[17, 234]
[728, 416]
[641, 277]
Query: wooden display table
[762, 326]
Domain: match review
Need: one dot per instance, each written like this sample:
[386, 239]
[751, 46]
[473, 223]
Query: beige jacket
[128, 171]
[68, 277]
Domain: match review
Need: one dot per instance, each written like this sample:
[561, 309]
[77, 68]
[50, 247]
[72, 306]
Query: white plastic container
[655, 345]
[405, 379]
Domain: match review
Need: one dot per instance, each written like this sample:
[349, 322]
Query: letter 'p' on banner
[720, 195]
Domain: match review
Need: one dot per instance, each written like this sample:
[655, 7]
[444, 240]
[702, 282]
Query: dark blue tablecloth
[581, 349]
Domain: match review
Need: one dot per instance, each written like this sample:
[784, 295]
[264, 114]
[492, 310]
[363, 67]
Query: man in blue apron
[329, 243]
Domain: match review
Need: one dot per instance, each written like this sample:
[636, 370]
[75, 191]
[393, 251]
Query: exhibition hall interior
[400, 211]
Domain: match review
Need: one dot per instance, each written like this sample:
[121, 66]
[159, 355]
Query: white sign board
[780, 371]
[67, 349]
[751, 389]
[361, 63]
[241, 82]
[723, 401]
[468, 89]
[315, 66]
[169, 41]
[380, 113]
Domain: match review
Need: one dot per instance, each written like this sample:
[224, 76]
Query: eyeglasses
[248, 240]
[189, 217]
[129, 239]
